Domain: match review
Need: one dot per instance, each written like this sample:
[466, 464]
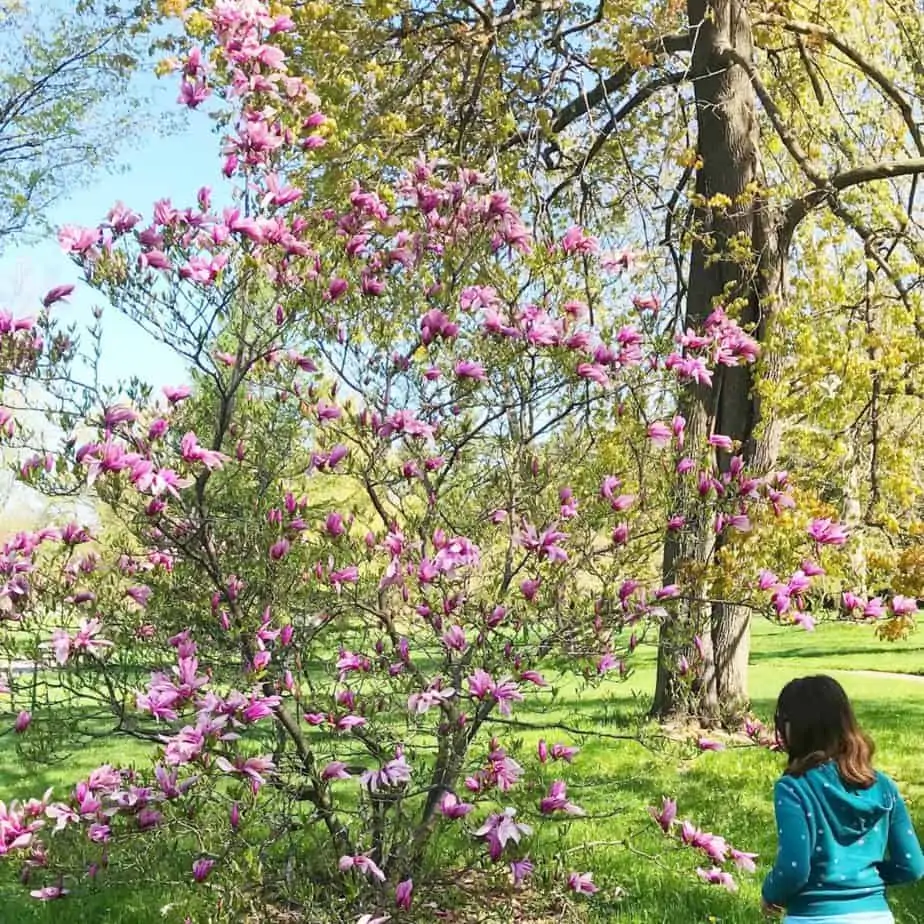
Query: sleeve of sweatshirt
[793, 865]
[904, 860]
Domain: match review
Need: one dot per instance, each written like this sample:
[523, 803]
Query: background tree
[725, 138]
[66, 105]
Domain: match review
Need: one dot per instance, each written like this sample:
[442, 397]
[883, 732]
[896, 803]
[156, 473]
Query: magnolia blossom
[201, 869]
[557, 800]
[363, 864]
[582, 883]
[404, 892]
[827, 532]
[500, 829]
[406, 438]
[667, 814]
[718, 876]
[452, 807]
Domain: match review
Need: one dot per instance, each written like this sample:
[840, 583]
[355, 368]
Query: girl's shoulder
[827, 773]
[886, 783]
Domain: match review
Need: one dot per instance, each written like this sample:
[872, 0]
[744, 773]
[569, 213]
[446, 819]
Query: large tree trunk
[742, 416]
[729, 149]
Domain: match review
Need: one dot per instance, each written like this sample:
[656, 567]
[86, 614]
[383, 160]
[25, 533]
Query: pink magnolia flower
[78, 240]
[852, 602]
[201, 869]
[660, 434]
[394, 773]
[333, 525]
[341, 576]
[904, 606]
[666, 816]
[744, 861]
[254, 769]
[148, 818]
[582, 883]
[363, 864]
[23, 721]
[576, 240]
[711, 845]
[335, 770]
[621, 534]
[500, 829]
[451, 807]
[565, 752]
[707, 744]
[454, 639]
[647, 302]
[827, 532]
[193, 452]
[404, 892]
[176, 393]
[521, 870]
[718, 876]
[139, 594]
[49, 893]
[57, 294]
[504, 692]
[766, 579]
[279, 549]
[593, 372]
[557, 800]
[469, 369]
[99, 833]
[530, 587]
[337, 288]
[804, 620]
[85, 640]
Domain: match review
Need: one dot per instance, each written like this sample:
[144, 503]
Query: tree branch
[875, 74]
[885, 170]
[587, 102]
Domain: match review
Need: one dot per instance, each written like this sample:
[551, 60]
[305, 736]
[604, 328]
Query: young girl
[844, 831]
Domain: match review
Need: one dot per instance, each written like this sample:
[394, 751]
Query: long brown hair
[815, 723]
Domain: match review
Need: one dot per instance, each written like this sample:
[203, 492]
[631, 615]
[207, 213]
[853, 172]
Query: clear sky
[173, 167]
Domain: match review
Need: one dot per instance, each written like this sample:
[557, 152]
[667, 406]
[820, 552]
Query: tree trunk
[729, 149]
[741, 416]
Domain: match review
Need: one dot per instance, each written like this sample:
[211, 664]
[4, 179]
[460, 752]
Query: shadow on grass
[807, 654]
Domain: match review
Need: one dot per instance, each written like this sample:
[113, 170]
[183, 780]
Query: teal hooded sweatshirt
[839, 846]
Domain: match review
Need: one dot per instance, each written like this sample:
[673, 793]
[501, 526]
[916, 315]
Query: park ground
[643, 879]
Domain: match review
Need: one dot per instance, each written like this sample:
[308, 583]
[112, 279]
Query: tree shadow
[803, 654]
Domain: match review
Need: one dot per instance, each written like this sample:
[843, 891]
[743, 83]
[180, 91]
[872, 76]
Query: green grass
[729, 792]
[643, 879]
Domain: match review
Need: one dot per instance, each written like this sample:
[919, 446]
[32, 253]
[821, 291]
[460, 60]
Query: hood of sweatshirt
[849, 810]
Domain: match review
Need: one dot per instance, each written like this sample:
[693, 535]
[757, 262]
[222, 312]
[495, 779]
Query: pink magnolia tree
[416, 482]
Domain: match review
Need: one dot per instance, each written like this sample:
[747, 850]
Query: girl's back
[834, 840]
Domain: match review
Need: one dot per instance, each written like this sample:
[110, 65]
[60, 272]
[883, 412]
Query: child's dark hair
[815, 723]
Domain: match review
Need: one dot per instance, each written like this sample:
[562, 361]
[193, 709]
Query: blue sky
[172, 166]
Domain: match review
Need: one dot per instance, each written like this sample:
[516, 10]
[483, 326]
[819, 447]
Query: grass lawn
[643, 879]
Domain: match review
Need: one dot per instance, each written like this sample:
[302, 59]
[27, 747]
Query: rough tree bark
[729, 149]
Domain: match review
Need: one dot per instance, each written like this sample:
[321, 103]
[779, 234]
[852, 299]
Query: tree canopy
[67, 105]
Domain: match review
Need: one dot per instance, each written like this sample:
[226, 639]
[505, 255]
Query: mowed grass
[643, 878]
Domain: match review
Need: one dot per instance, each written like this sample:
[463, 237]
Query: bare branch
[882, 171]
[875, 74]
[587, 102]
